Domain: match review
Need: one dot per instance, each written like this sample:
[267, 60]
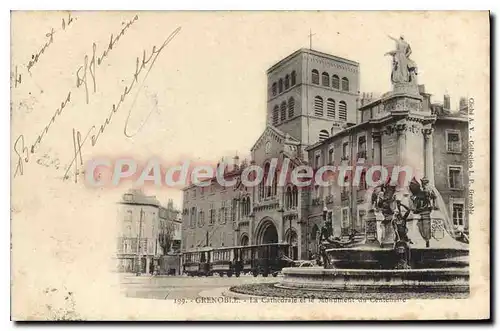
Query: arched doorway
[291, 238]
[266, 232]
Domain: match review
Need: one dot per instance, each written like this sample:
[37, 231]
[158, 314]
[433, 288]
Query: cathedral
[316, 116]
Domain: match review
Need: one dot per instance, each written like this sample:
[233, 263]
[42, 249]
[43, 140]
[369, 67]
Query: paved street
[174, 287]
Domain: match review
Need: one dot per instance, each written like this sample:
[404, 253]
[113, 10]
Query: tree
[165, 236]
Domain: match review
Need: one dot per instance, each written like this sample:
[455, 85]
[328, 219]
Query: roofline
[314, 52]
[452, 118]
[138, 204]
[233, 173]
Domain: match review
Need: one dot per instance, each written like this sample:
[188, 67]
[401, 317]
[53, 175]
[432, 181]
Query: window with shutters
[283, 111]
[453, 144]
[276, 115]
[315, 76]
[458, 214]
[280, 85]
[342, 111]
[335, 82]
[291, 106]
[330, 108]
[325, 79]
[274, 89]
[318, 106]
[287, 82]
[345, 84]
[455, 177]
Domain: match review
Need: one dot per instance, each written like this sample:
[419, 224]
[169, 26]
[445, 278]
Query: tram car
[196, 262]
[247, 256]
[226, 261]
[265, 260]
[269, 259]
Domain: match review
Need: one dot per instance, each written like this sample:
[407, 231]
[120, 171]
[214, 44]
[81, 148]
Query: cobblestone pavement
[177, 287]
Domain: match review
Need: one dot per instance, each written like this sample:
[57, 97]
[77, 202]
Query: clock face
[268, 147]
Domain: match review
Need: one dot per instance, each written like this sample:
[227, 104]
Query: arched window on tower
[287, 82]
[294, 78]
[283, 111]
[335, 82]
[276, 115]
[325, 79]
[323, 134]
[342, 111]
[330, 108]
[315, 76]
[274, 89]
[345, 84]
[280, 85]
[291, 106]
[318, 106]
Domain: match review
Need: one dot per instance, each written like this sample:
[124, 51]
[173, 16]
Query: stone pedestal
[424, 227]
[385, 232]
[371, 229]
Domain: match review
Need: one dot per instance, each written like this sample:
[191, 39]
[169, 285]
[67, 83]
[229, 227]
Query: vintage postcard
[250, 165]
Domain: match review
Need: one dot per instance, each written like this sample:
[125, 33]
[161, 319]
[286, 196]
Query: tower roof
[312, 52]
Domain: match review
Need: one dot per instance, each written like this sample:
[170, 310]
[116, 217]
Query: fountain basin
[369, 257]
[373, 280]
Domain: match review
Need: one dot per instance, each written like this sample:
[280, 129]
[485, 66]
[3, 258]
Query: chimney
[463, 107]
[446, 102]
[421, 89]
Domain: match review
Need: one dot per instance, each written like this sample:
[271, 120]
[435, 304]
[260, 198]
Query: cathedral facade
[316, 116]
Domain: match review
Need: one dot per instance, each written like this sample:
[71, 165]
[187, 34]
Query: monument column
[429, 156]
